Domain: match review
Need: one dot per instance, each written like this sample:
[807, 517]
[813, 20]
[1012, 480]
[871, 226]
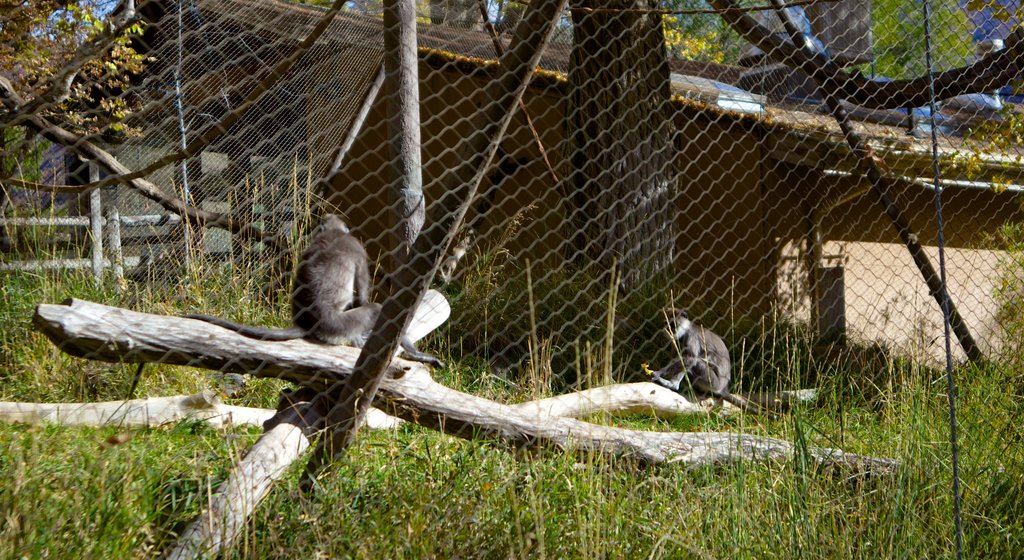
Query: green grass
[414, 493]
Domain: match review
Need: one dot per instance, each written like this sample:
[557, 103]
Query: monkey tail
[258, 333]
[415, 354]
[740, 402]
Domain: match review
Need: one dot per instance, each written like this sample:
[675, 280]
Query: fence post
[114, 240]
[96, 225]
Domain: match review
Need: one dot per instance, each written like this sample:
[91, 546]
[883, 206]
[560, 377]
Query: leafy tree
[898, 29]
[39, 38]
[68, 62]
[703, 37]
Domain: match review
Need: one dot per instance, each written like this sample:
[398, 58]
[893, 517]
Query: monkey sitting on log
[703, 362]
[333, 267]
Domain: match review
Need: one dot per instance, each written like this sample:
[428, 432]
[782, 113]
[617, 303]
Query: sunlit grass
[414, 493]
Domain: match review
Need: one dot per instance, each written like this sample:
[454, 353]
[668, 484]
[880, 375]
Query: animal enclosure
[845, 214]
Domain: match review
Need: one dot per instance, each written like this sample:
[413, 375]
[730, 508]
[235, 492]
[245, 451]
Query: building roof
[796, 133]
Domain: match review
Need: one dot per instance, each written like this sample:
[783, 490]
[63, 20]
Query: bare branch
[694, 11]
[41, 187]
[624, 399]
[91, 152]
[499, 50]
[153, 412]
[992, 72]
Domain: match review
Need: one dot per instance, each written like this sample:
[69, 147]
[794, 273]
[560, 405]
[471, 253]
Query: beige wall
[887, 301]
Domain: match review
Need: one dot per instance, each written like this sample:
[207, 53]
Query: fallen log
[155, 412]
[617, 400]
[625, 399]
[237, 498]
[112, 334]
[91, 330]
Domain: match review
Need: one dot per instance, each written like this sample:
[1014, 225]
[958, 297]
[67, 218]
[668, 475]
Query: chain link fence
[657, 159]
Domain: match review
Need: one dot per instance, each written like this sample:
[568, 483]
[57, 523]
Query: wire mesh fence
[773, 172]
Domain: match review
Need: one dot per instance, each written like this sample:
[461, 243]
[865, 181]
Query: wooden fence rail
[95, 221]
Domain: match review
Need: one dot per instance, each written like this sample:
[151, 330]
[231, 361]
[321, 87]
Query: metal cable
[950, 383]
[183, 133]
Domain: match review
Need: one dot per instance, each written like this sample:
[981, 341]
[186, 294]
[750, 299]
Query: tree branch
[153, 412]
[58, 87]
[499, 51]
[91, 152]
[992, 72]
[239, 496]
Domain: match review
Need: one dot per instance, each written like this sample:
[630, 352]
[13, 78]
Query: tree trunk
[623, 166]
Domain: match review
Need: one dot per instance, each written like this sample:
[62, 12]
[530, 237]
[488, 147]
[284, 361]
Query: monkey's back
[325, 280]
[709, 348]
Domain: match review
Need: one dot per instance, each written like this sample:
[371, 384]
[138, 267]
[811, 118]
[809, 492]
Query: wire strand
[950, 382]
[696, 11]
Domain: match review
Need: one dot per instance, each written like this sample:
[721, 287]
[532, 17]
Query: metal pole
[947, 305]
[182, 133]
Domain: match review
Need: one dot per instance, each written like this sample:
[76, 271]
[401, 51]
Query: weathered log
[417, 398]
[118, 335]
[154, 412]
[647, 398]
[111, 334]
[616, 400]
[250, 480]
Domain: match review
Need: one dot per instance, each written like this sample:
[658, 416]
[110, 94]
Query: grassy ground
[412, 493]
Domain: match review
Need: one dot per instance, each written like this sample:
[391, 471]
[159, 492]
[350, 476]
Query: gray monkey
[333, 267]
[703, 362]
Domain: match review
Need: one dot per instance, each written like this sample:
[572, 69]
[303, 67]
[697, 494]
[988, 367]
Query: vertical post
[182, 134]
[96, 225]
[813, 264]
[402, 100]
[76, 172]
[402, 96]
[114, 240]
